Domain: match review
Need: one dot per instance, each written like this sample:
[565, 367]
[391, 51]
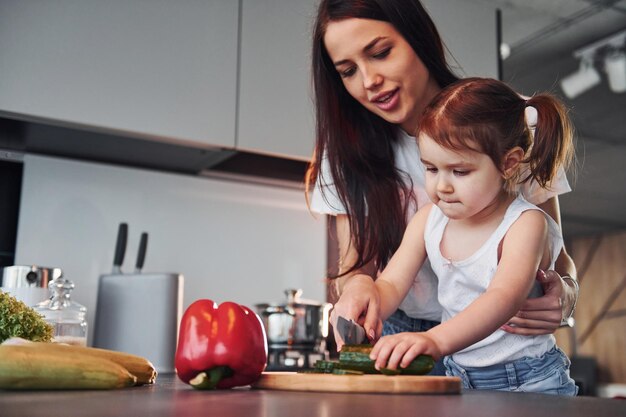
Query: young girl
[483, 240]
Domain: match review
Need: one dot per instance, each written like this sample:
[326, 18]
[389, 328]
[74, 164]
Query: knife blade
[350, 331]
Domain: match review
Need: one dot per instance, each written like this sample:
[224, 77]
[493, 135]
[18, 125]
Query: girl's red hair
[486, 115]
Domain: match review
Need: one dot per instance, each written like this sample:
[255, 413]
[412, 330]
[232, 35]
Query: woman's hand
[398, 350]
[359, 301]
[543, 315]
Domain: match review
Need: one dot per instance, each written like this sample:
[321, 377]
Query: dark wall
[10, 187]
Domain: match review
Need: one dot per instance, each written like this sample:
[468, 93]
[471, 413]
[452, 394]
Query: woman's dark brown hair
[358, 144]
[488, 116]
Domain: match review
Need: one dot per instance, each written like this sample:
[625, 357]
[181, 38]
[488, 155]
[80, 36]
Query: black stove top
[294, 358]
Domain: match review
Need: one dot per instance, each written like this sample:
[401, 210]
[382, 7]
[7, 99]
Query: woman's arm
[348, 255]
[358, 298]
[544, 315]
[376, 303]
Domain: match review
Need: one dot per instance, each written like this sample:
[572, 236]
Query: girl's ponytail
[553, 139]
[489, 116]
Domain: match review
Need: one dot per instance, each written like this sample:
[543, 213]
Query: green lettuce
[19, 320]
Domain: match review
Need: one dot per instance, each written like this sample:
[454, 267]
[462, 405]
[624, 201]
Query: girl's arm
[523, 249]
[395, 281]
[543, 315]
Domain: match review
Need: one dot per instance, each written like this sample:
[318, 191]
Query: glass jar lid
[60, 307]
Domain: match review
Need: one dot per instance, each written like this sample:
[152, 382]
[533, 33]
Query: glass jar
[67, 317]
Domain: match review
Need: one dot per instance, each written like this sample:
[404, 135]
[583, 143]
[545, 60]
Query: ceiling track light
[582, 80]
[611, 52]
[615, 67]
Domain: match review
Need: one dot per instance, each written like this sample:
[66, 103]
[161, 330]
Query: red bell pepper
[220, 346]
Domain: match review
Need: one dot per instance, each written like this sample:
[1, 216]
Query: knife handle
[120, 247]
[141, 254]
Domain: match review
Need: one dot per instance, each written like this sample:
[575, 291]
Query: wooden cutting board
[397, 384]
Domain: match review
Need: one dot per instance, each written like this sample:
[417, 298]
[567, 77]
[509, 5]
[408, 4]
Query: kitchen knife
[141, 254]
[120, 248]
[350, 331]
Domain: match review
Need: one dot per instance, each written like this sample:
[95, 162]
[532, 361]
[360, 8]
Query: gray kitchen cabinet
[468, 30]
[148, 68]
[276, 113]
[198, 73]
[275, 106]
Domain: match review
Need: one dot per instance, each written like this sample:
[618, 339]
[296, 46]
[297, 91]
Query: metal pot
[297, 322]
[28, 283]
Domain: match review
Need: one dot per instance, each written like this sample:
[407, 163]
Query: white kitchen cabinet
[149, 68]
[275, 109]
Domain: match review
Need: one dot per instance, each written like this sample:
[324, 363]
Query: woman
[376, 65]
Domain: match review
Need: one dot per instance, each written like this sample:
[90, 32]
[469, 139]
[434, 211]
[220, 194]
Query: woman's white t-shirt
[421, 301]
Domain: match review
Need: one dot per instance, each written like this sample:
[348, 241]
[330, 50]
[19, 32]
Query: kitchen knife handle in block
[141, 254]
[120, 247]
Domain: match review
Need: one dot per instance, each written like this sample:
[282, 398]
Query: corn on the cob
[136, 365]
[25, 367]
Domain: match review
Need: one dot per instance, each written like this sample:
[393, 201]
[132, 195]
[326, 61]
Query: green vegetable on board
[355, 360]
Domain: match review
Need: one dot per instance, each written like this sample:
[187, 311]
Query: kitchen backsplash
[230, 240]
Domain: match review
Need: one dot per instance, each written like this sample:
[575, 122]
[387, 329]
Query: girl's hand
[359, 301]
[401, 348]
[541, 315]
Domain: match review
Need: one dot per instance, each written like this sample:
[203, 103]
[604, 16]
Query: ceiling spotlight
[610, 51]
[505, 50]
[615, 67]
[582, 80]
